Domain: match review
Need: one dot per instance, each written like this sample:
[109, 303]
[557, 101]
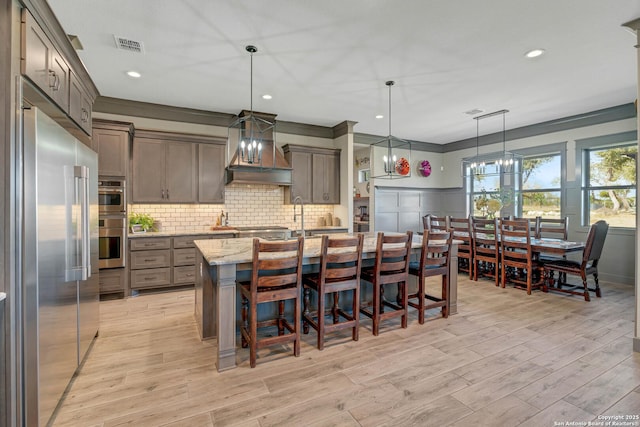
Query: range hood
[273, 167]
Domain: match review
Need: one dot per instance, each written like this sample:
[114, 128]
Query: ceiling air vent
[124, 43]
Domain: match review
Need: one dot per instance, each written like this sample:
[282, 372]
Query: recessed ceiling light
[379, 116]
[534, 53]
[266, 96]
[134, 74]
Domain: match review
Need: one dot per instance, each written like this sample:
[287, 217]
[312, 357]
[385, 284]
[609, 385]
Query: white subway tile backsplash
[255, 205]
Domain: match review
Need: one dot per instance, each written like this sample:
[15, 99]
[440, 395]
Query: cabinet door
[326, 179]
[79, 104]
[59, 71]
[113, 151]
[211, 165]
[36, 53]
[301, 177]
[181, 173]
[332, 179]
[148, 171]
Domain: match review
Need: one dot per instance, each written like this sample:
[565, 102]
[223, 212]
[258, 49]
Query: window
[541, 186]
[489, 191]
[609, 185]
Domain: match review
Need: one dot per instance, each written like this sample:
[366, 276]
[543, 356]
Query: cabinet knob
[163, 193]
[167, 194]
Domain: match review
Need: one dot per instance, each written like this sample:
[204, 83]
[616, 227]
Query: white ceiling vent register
[124, 43]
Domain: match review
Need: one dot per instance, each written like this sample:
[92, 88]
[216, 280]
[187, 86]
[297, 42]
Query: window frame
[583, 148]
[540, 151]
[549, 150]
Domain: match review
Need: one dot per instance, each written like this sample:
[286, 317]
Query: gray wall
[401, 209]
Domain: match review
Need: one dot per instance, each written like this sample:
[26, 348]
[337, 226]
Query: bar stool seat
[340, 265]
[276, 276]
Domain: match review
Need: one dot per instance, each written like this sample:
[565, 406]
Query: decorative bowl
[402, 166]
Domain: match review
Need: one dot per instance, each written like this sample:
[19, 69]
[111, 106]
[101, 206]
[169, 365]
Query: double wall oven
[112, 223]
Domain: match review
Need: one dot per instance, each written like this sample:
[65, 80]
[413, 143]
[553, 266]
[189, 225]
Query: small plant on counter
[140, 222]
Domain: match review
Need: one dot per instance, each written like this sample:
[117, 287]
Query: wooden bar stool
[340, 264]
[391, 266]
[434, 261]
[276, 276]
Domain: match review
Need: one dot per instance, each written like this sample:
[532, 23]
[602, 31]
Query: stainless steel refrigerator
[60, 261]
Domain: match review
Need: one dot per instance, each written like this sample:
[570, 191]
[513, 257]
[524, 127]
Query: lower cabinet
[160, 262]
[112, 281]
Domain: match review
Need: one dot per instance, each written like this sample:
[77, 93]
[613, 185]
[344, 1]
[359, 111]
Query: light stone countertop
[181, 233]
[238, 251]
[207, 231]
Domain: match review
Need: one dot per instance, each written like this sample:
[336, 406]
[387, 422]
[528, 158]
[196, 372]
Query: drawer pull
[189, 274]
[150, 259]
[149, 244]
[191, 257]
[147, 279]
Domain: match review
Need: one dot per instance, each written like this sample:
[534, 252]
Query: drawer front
[150, 259]
[150, 243]
[186, 241]
[183, 275]
[153, 278]
[111, 281]
[184, 257]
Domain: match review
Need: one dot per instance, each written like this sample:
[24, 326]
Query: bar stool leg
[305, 322]
[321, 308]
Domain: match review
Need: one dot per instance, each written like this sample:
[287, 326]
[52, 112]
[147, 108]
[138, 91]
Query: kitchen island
[219, 262]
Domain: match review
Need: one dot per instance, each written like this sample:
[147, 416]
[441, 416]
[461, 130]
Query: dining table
[220, 262]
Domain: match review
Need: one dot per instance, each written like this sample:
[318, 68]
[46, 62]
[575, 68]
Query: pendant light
[250, 135]
[391, 156]
[501, 163]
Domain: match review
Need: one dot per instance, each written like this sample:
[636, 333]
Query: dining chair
[391, 266]
[486, 249]
[461, 228]
[518, 263]
[276, 276]
[435, 258]
[432, 222]
[339, 271]
[557, 228]
[589, 264]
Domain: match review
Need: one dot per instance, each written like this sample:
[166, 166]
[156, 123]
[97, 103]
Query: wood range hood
[273, 169]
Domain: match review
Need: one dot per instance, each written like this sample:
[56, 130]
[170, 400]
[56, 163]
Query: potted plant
[140, 222]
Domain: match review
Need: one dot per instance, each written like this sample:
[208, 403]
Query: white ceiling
[326, 61]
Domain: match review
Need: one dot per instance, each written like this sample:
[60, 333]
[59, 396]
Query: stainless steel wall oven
[111, 197]
[112, 238]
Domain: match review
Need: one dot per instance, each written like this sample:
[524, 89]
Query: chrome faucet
[224, 218]
[297, 200]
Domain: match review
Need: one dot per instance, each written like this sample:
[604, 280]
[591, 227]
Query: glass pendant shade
[391, 156]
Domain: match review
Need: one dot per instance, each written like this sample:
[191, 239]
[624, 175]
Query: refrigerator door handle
[77, 229]
[81, 173]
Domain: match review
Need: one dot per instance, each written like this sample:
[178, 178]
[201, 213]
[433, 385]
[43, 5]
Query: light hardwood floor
[506, 359]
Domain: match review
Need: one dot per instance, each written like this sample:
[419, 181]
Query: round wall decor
[425, 168]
